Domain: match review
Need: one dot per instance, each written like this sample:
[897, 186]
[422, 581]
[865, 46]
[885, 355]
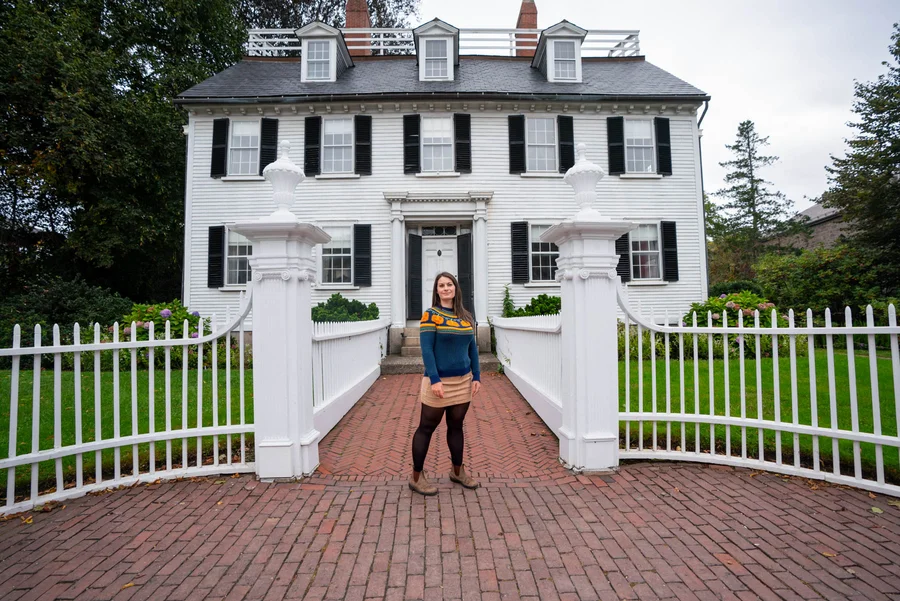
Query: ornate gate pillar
[589, 436]
[286, 441]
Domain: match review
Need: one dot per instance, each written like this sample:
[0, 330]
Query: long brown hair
[458, 309]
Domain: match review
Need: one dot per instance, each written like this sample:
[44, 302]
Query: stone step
[411, 351]
[398, 364]
[411, 342]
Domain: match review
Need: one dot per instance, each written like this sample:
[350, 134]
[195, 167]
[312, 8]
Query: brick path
[533, 531]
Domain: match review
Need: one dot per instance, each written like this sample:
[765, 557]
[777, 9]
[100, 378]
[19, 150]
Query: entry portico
[409, 275]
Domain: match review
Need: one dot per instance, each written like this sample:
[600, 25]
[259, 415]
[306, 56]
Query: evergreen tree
[866, 182]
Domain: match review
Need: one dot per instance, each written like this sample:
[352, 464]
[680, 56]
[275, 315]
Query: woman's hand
[438, 390]
[476, 387]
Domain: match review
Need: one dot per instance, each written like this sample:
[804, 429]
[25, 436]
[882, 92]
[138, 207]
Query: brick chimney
[358, 18]
[527, 20]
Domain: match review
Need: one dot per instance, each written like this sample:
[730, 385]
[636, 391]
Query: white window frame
[555, 145]
[352, 145]
[653, 158]
[229, 256]
[632, 252]
[332, 60]
[423, 59]
[255, 171]
[330, 227]
[422, 143]
[573, 60]
[551, 61]
[531, 253]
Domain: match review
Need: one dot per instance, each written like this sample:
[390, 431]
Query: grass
[789, 442]
[47, 469]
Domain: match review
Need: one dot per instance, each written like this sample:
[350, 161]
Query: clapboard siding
[515, 198]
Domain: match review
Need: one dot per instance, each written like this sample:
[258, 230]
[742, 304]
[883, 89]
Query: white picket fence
[202, 451]
[529, 351]
[777, 419]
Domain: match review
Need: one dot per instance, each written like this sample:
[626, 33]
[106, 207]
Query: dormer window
[318, 60]
[564, 60]
[436, 59]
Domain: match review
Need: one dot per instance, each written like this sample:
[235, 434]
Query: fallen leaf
[676, 490]
[219, 503]
[871, 495]
[129, 585]
[235, 475]
[219, 482]
[27, 520]
[827, 554]
[877, 510]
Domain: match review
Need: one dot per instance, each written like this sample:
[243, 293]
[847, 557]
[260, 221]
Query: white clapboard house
[443, 149]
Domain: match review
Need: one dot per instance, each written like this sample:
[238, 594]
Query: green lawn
[887, 405]
[47, 470]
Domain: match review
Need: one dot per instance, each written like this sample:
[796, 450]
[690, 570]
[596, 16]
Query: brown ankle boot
[464, 478]
[423, 486]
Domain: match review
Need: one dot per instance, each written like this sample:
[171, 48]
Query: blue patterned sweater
[448, 345]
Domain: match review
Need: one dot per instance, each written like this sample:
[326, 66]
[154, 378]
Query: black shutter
[669, 251]
[466, 275]
[462, 130]
[312, 152]
[363, 139]
[268, 143]
[615, 141]
[663, 146]
[215, 257]
[519, 237]
[517, 143]
[219, 166]
[411, 159]
[623, 269]
[566, 128]
[362, 255]
[414, 278]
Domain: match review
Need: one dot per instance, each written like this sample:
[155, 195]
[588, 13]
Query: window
[244, 148]
[639, 146]
[564, 60]
[436, 59]
[318, 60]
[437, 144]
[440, 230]
[238, 265]
[337, 256]
[543, 256]
[337, 143]
[645, 259]
[540, 138]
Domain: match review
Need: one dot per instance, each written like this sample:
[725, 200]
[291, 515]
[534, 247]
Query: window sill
[651, 283]
[235, 288]
[640, 176]
[338, 176]
[543, 175]
[243, 178]
[335, 287]
[439, 174]
[541, 285]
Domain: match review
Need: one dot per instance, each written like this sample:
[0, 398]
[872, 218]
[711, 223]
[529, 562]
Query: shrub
[736, 286]
[338, 308]
[543, 304]
[158, 314]
[730, 306]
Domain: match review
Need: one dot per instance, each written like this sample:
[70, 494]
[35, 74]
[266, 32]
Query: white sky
[787, 65]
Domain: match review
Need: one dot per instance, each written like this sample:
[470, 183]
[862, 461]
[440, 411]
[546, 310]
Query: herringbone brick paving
[533, 531]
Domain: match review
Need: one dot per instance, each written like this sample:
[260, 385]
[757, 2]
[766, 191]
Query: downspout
[703, 191]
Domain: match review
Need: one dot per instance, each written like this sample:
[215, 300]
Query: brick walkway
[354, 531]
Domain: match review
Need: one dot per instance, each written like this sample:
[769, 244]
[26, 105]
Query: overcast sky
[787, 65]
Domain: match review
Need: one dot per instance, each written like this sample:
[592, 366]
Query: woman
[452, 378]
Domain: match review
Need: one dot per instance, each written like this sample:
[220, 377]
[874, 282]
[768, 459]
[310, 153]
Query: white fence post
[283, 271]
[589, 436]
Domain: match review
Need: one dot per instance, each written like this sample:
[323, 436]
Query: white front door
[439, 255]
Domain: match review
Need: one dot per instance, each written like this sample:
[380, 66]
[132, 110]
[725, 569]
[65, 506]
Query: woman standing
[452, 378]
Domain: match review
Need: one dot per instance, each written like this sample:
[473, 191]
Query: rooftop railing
[495, 42]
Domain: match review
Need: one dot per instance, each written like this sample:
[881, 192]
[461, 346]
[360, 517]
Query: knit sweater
[448, 345]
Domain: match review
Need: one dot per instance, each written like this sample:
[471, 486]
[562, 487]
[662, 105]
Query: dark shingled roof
[489, 78]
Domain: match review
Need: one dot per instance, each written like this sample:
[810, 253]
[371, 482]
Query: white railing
[346, 361]
[790, 397]
[73, 449]
[529, 350]
[502, 42]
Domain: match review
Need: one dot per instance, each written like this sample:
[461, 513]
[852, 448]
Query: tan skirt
[457, 390]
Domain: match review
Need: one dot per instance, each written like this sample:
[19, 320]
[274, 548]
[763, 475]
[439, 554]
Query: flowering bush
[158, 314]
[731, 307]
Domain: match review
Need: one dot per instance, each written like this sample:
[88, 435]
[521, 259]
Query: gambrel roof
[509, 78]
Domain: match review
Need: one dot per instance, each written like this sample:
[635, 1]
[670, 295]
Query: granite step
[399, 364]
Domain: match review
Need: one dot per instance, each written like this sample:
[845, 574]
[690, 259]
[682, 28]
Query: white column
[283, 271]
[589, 436]
[480, 265]
[398, 267]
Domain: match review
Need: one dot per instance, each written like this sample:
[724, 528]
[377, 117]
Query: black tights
[431, 417]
